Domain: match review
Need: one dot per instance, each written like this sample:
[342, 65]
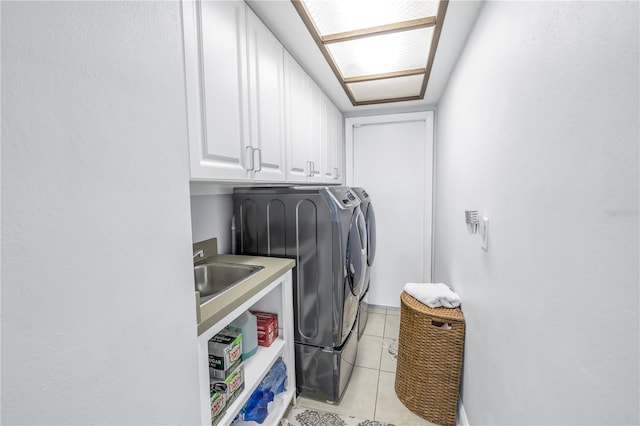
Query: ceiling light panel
[380, 50]
[387, 89]
[337, 16]
[383, 53]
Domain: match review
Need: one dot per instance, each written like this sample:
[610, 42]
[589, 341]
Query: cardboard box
[218, 405]
[232, 385]
[225, 352]
[267, 327]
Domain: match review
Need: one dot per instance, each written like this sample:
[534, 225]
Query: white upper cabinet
[338, 144]
[217, 89]
[333, 170]
[298, 119]
[234, 69]
[305, 122]
[316, 132]
[253, 113]
[266, 94]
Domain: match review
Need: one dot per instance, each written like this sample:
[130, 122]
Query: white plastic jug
[247, 325]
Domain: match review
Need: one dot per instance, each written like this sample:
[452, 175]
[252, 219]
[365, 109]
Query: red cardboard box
[267, 327]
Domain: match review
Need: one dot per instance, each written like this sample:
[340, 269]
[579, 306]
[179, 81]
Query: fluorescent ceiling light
[380, 50]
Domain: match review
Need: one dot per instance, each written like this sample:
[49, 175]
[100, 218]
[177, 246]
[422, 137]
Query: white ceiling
[283, 20]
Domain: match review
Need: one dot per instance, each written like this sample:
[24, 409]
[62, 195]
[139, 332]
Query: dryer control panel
[361, 194]
[344, 197]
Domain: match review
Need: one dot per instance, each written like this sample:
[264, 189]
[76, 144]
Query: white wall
[211, 218]
[98, 318]
[538, 130]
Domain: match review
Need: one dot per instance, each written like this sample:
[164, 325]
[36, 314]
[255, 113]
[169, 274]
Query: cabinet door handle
[336, 174]
[310, 172]
[250, 155]
[259, 159]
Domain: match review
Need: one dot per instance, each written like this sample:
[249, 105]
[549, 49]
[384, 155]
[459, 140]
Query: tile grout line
[375, 408]
[366, 368]
[375, 405]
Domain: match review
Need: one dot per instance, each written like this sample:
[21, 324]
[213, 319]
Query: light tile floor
[370, 393]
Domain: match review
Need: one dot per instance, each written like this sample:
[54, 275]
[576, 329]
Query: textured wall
[98, 318]
[538, 129]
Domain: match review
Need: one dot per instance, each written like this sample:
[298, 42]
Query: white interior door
[391, 157]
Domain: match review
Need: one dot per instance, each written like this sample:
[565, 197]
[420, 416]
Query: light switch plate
[484, 233]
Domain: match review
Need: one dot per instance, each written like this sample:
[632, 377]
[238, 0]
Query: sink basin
[212, 278]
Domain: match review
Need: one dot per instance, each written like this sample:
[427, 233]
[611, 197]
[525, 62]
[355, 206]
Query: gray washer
[324, 230]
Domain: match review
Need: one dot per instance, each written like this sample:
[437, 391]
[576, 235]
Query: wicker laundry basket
[430, 352]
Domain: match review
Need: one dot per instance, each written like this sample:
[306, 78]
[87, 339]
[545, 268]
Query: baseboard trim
[461, 419]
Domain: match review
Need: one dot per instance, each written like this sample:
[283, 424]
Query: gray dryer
[323, 229]
[370, 220]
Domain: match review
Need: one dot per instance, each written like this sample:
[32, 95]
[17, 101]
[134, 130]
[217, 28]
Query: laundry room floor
[370, 394]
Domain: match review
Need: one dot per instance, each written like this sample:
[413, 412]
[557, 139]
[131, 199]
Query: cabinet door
[297, 120]
[328, 136]
[266, 93]
[316, 132]
[337, 167]
[217, 101]
[333, 146]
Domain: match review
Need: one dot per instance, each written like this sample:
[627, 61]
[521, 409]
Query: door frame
[429, 121]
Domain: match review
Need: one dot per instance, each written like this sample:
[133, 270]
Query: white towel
[433, 295]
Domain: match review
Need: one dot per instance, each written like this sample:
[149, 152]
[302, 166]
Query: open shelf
[277, 408]
[255, 369]
[277, 298]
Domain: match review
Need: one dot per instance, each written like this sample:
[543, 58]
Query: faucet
[199, 253]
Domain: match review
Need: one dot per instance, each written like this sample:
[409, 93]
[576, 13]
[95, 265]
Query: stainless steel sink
[213, 278]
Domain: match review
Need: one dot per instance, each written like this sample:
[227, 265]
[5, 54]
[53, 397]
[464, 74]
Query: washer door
[370, 219]
[356, 261]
